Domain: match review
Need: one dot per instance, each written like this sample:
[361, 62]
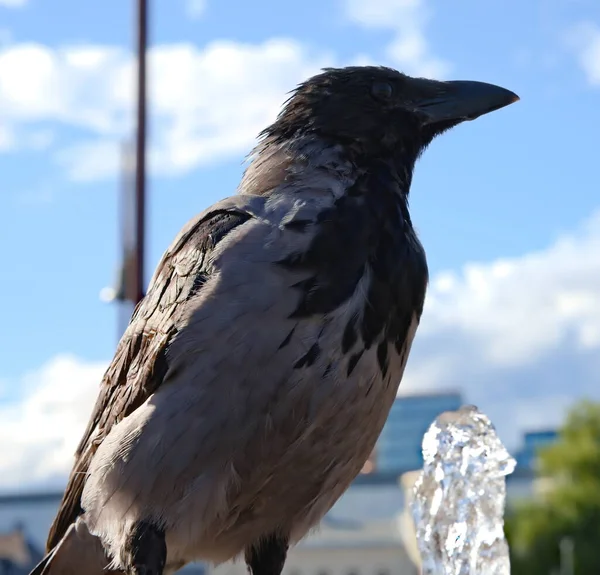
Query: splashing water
[458, 504]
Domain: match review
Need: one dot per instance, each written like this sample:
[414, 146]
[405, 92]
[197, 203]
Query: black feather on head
[382, 109]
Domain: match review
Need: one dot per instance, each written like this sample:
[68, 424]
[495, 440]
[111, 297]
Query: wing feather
[139, 365]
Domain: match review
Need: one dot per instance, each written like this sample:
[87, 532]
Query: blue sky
[507, 206]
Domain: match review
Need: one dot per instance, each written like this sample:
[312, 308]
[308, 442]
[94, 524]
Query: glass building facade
[399, 446]
[532, 442]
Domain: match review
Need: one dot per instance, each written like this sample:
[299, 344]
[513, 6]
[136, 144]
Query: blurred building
[18, 555]
[533, 441]
[399, 446]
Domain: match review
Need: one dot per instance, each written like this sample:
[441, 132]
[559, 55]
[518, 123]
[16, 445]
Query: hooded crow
[256, 375]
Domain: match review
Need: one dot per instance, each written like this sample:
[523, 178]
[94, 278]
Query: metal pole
[127, 288]
[140, 168]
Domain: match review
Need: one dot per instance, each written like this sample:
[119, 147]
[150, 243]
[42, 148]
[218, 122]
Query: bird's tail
[78, 553]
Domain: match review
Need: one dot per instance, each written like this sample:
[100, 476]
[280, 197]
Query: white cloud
[214, 102]
[91, 160]
[39, 433]
[520, 337]
[584, 41]
[407, 19]
[6, 139]
[207, 103]
[13, 3]
[13, 141]
[78, 86]
[195, 8]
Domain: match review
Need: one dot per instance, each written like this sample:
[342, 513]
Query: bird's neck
[312, 162]
[306, 163]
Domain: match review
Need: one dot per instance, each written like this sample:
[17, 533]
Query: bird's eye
[382, 90]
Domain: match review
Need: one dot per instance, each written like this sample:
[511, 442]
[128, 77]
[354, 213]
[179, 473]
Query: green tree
[569, 512]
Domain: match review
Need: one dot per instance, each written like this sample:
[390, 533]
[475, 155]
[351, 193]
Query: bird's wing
[139, 364]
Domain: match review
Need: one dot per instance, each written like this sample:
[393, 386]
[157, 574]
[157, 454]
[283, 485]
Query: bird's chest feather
[359, 288]
[364, 269]
[359, 302]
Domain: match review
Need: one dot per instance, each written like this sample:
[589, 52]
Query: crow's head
[381, 109]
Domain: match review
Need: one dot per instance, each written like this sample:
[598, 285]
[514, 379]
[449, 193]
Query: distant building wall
[399, 446]
[533, 441]
[35, 513]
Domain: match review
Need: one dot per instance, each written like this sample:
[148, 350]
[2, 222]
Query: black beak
[463, 100]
